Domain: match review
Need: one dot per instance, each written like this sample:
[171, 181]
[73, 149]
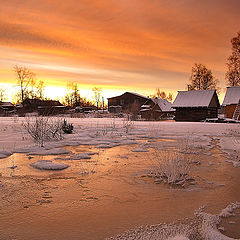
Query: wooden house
[156, 109]
[43, 107]
[231, 103]
[127, 102]
[196, 106]
[7, 107]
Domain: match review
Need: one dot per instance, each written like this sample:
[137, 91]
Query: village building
[7, 107]
[43, 107]
[127, 102]
[231, 103]
[156, 109]
[196, 105]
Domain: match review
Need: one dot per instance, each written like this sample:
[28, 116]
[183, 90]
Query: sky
[118, 45]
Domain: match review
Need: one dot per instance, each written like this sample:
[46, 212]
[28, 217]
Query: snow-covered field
[107, 132]
[99, 136]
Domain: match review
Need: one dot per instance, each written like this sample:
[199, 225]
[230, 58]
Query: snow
[164, 105]
[4, 154]
[179, 237]
[232, 96]
[228, 211]
[204, 226]
[108, 132]
[200, 98]
[54, 151]
[48, 165]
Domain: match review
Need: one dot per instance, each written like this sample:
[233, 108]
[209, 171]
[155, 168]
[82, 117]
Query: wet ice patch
[48, 165]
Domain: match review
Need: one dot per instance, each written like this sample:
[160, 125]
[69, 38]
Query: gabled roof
[39, 102]
[164, 104]
[232, 96]
[198, 98]
[6, 104]
[136, 94]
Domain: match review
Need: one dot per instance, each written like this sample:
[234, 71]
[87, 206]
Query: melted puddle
[108, 194]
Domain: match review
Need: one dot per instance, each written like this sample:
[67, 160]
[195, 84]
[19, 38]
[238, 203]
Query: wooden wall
[229, 110]
[195, 114]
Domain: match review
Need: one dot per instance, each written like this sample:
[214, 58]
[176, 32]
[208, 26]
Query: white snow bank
[112, 133]
[79, 156]
[4, 154]
[179, 237]
[54, 151]
[203, 226]
[228, 211]
[140, 149]
[48, 165]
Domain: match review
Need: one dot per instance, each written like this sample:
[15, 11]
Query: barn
[194, 106]
[156, 109]
[127, 102]
[231, 103]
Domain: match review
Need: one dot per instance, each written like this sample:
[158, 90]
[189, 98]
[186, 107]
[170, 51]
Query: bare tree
[162, 94]
[3, 95]
[233, 63]
[97, 92]
[72, 98]
[25, 78]
[202, 78]
[40, 90]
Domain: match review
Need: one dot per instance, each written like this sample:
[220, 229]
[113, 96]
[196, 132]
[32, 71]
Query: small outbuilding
[127, 102]
[194, 106]
[231, 103]
[156, 109]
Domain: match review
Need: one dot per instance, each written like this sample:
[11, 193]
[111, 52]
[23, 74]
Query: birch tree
[233, 63]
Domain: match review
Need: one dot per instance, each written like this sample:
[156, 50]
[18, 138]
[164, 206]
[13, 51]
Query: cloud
[145, 42]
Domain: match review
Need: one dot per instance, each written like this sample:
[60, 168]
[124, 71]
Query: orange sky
[119, 45]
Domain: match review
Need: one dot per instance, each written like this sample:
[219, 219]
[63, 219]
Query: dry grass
[171, 167]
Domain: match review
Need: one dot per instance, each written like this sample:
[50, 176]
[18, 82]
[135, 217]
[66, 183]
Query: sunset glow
[116, 45]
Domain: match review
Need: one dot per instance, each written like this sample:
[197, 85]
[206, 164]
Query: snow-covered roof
[232, 96]
[145, 106]
[6, 104]
[164, 104]
[199, 98]
[136, 94]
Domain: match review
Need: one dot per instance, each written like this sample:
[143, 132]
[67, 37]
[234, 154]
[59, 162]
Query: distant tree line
[30, 88]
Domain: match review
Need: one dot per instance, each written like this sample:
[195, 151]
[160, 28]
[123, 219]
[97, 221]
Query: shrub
[171, 167]
[67, 127]
[43, 129]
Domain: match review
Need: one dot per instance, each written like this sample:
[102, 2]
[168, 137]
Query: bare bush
[127, 124]
[43, 129]
[171, 167]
